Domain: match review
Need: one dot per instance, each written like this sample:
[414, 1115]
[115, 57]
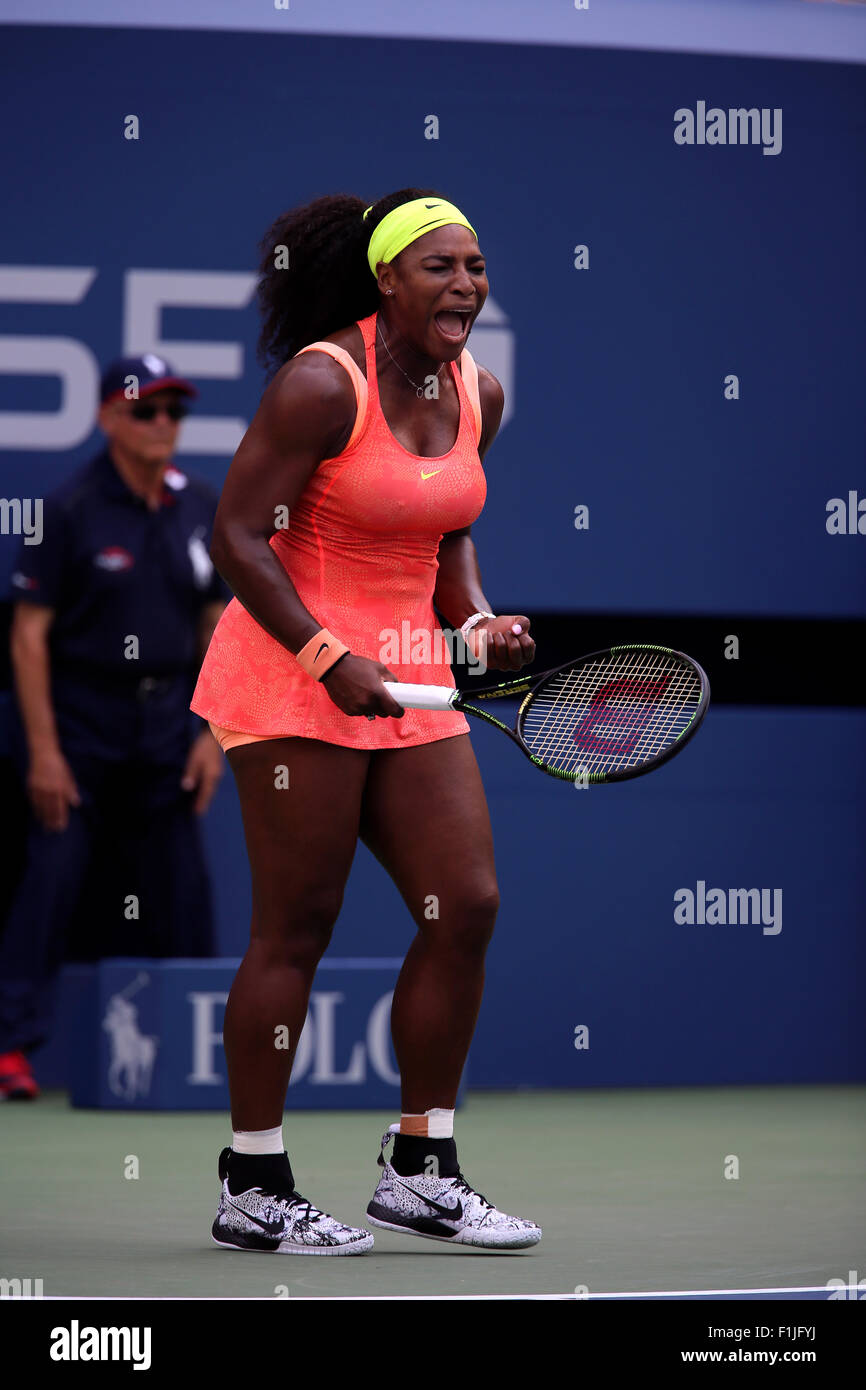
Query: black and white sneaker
[282, 1222]
[444, 1209]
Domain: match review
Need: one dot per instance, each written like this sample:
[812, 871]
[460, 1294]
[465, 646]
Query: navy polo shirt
[113, 569]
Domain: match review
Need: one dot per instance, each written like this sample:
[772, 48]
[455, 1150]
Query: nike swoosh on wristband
[454, 1212]
[323, 648]
[273, 1228]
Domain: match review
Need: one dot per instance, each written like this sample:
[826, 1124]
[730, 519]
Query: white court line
[441, 1297]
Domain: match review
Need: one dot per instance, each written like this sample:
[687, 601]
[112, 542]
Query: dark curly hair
[326, 284]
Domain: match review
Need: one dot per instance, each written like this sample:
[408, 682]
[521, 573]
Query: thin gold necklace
[419, 390]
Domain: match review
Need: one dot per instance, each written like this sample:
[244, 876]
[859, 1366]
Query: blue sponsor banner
[147, 1035]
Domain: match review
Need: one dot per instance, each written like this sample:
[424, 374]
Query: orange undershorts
[230, 738]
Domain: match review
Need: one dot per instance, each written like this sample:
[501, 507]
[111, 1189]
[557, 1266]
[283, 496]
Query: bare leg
[301, 840]
[424, 815]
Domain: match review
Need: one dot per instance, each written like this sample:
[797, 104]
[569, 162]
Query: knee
[299, 933]
[468, 925]
[482, 910]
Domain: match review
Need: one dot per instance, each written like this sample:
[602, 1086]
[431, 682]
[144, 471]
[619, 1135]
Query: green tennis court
[629, 1186]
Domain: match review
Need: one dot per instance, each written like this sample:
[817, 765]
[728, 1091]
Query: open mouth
[453, 323]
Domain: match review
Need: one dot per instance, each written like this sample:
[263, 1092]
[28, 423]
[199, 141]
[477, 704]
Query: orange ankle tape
[414, 1124]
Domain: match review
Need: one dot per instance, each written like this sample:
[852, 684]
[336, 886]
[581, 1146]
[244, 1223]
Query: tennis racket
[605, 717]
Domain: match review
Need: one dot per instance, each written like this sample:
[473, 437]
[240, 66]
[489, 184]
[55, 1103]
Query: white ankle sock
[258, 1141]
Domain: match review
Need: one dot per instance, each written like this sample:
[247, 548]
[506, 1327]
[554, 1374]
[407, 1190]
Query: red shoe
[17, 1081]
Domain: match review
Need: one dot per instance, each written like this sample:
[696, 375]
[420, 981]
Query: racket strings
[578, 686]
[571, 693]
[612, 714]
[617, 731]
[620, 730]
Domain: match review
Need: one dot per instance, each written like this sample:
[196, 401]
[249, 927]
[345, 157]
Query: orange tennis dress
[361, 549]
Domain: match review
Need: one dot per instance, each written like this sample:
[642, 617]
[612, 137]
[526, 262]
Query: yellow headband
[406, 223]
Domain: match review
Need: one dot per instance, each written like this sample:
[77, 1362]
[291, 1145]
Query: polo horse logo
[132, 1052]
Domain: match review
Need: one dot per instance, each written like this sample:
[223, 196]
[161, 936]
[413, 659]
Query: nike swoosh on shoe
[454, 1213]
[273, 1228]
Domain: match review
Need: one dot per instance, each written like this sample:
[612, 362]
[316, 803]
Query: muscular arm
[208, 619]
[305, 416]
[458, 591]
[458, 584]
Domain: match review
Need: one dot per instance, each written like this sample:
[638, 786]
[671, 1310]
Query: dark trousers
[126, 878]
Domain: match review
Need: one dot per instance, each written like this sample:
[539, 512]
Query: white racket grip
[421, 696]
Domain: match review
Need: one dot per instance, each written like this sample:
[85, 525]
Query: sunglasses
[147, 410]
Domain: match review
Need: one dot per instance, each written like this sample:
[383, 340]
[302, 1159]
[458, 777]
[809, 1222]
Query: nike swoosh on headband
[453, 1212]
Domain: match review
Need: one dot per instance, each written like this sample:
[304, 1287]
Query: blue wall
[703, 262]
[586, 933]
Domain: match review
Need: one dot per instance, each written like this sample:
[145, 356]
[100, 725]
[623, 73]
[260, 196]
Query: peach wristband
[320, 653]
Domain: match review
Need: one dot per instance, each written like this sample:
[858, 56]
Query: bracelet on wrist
[474, 620]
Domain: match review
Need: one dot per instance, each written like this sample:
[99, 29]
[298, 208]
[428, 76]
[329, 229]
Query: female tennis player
[345, 516]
